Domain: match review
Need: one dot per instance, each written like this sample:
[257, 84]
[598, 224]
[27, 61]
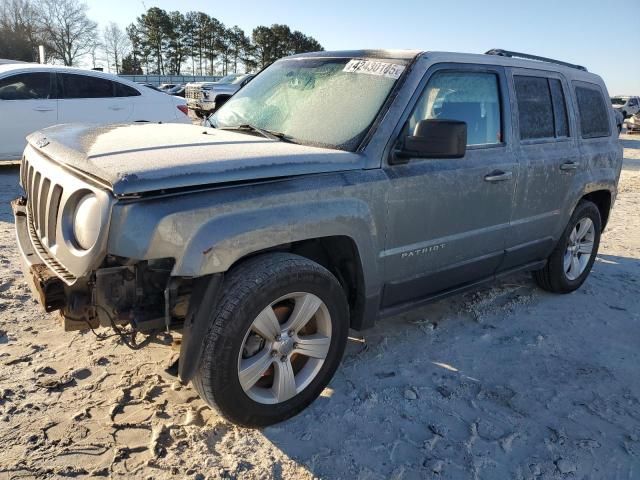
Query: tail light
[184, 109]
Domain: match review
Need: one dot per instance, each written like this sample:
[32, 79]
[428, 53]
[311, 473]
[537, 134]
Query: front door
[448, 218]
[26, 105]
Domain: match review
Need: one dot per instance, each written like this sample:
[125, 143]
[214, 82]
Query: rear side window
[123, 90]
[470, 97]
[26, 86]
[535, 110]
[594, 119]
[84, 86]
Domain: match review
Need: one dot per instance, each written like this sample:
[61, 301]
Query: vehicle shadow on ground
[485, 384]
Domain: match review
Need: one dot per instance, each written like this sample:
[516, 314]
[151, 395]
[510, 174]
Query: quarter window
[84, 86]
[594, 119]
[26, 86]
[123, 90]
[470, 97]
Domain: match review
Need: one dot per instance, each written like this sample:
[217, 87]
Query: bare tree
[116, 44]
[68, 31]
[19, 36]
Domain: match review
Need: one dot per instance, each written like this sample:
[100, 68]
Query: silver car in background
[205, 98]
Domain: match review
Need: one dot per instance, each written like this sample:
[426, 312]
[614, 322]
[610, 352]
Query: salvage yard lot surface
[503, 382]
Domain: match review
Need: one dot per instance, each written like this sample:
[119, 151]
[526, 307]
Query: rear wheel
[275, 339]
[569, 264]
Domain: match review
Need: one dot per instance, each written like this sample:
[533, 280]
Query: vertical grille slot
[28, 184]
[52, 214]
[42, 207]
[35, 199]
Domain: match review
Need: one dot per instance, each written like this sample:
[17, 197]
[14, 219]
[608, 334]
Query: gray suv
[336, 188]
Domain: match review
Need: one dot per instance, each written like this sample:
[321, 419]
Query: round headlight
[87, 222]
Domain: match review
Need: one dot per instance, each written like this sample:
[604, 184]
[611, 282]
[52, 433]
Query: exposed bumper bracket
[45, 285]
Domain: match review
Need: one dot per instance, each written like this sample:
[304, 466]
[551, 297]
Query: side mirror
[434, 139]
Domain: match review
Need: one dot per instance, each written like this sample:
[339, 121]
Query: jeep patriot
[334, 189]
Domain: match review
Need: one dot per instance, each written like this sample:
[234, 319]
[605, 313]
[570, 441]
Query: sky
[599, 34]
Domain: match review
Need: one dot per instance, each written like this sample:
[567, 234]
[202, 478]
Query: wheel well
[602, 199]
[339, 255]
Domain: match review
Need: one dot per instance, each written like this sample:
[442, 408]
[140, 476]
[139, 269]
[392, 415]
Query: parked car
[626, 105]
[163, 87]
[34, 96]
[334, 189]
[633, 123]
[177, 91]
[619, 119]
[204, 98]
[151, 86]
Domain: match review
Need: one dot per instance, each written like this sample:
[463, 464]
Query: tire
[271, 283]
[554, 277]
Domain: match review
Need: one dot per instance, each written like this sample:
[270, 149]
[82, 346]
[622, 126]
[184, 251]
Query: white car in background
[626, 105]
[34, 96]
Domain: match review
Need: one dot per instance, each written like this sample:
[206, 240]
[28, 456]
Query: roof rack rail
[507, 53]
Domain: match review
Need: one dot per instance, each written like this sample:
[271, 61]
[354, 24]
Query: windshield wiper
[253, 128]
[279, 136]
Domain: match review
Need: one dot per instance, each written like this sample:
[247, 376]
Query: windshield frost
[311, 101]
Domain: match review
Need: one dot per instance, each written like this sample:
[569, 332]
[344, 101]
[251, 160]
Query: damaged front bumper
[47, 288]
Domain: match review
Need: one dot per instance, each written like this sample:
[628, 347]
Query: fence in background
[159, 79]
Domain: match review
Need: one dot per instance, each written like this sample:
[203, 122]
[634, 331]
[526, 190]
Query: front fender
[222, 241]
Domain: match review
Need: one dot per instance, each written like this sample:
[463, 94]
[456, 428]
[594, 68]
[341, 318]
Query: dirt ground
[505, 382]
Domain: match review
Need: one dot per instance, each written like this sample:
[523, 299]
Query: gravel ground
[504, 382]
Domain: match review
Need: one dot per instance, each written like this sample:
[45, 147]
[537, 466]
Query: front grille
[193, 93]
[43, 205]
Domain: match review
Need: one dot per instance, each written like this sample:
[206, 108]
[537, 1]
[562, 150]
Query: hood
[138, 158]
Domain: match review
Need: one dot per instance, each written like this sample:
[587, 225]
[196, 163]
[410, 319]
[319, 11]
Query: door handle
[115, 107]
[569, 166]
[43, 109]
[498, 176]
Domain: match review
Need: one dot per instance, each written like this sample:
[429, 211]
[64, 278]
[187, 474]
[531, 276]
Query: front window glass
[618, 101]
[328, 102]
[26, 86]
[468, 97]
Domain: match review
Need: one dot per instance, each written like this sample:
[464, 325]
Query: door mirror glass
[435, 138]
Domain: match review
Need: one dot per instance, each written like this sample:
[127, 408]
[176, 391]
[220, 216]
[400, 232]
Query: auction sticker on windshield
[372, 67]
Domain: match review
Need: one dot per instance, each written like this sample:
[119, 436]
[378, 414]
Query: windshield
[228, 78]
[618, 101]
[328, 102]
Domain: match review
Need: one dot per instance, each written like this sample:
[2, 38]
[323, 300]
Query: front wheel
[569, 264]
[275, 339]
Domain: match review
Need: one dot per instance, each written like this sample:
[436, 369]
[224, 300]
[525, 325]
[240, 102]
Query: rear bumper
[46, 287]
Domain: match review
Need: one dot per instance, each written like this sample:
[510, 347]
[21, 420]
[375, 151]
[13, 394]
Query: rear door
[448, 218]
[26, 105]
[90, 99]
[548, 154]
